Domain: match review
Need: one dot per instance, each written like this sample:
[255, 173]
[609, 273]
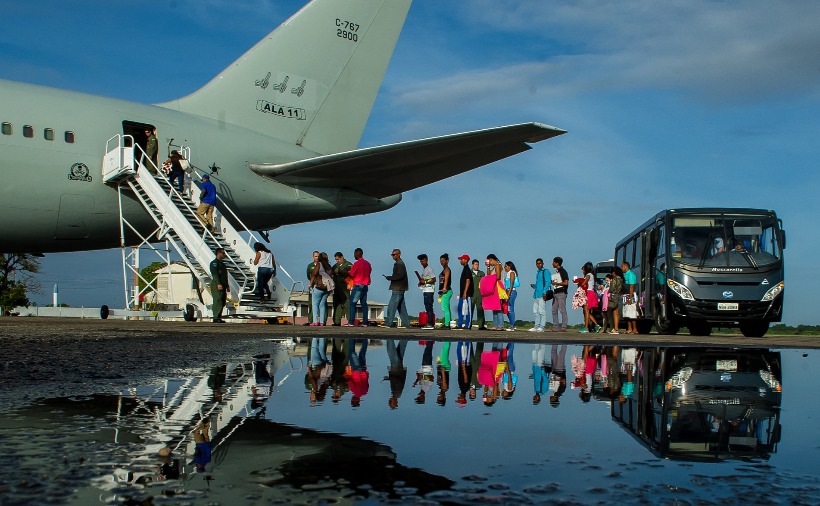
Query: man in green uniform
[341, 293]
[219, 284]
[151, 151]
[478, 309]
[311, 266]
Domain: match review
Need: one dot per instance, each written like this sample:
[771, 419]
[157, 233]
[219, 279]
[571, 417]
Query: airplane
[279, 130]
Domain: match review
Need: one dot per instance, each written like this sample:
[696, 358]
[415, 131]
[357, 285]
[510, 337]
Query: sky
[667, 105]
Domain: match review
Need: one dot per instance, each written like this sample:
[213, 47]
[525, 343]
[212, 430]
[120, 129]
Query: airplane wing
[387, 170]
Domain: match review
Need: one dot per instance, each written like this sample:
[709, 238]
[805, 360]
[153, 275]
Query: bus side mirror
[783, 239]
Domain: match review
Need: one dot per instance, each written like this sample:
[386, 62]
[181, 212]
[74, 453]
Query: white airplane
[283, 123]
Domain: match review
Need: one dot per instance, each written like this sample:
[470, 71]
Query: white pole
[54, 297]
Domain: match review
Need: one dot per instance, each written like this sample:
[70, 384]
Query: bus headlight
[679, 378]
[773, 292]
[771, 381]
[681, 290]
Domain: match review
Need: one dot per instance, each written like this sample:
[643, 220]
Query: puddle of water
[340, 421]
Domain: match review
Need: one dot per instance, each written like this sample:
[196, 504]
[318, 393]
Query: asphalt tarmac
[60, 357]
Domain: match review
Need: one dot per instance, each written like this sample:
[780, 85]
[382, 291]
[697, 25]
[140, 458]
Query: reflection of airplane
[286, 157]
[704, 403]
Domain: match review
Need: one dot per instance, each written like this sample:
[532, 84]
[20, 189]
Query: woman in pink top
[489, 291]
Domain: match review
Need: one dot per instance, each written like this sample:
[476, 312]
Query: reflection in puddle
[344, 421]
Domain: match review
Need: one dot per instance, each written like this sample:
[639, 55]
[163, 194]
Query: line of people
[495, 289]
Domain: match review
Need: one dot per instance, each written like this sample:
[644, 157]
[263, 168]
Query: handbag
[502, 293]
[549, 294]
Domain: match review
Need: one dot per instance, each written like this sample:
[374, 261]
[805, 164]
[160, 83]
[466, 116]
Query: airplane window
[48, 134]
[69, 137]
[6, 128]
[28, 131]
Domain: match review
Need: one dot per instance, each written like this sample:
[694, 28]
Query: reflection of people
[202, 451]
[540, 372]
[396, 372]
[219, 285]
[359, 381]
[558, 355]
[207, 201]
[424, 376]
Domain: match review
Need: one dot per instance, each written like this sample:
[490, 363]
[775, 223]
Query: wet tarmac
[317, 417]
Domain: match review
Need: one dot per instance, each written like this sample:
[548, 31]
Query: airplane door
[74, 217]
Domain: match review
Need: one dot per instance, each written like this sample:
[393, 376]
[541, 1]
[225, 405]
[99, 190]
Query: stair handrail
[241, 283]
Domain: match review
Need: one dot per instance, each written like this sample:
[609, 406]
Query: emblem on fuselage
[79, 172]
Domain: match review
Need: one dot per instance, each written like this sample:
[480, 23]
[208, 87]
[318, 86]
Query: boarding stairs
[178, 224]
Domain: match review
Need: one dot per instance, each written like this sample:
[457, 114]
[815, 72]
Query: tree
[16, 279]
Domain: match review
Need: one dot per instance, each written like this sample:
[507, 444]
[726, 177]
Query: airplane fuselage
[52, 196]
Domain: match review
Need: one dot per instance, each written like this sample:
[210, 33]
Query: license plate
[727, 306]
[726, 365]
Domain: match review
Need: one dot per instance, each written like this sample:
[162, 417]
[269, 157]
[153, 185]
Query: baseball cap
[464, 257]
[205, 176]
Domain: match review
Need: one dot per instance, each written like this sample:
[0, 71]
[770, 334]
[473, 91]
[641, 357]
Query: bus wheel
[665, 327]
[699, 329]
[644, 326]
[104, 311]
[754, 329]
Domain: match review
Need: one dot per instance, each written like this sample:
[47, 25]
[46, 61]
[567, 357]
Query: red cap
[464, 257]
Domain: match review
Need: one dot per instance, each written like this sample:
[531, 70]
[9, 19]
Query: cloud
[736, 52]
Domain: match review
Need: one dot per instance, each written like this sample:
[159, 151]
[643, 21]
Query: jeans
[318, 352]
[498, 319]
[539, 309]
[180, 176]
[397, 302]
[511, 311]
[559, 303]
[445, 307]
[263, 275]
[462, 307]
[395, 353]
[320, 305]
[357, 360]
[359, 293]
[428, 307]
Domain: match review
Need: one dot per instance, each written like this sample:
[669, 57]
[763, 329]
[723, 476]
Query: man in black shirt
[560, 281]
[398, 286]
[465, 290]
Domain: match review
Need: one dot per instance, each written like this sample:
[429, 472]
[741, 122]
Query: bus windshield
[725, 240]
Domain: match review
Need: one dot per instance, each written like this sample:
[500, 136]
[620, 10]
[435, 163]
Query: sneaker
[541, 329]
[597, 328]
[510, 329]
[534, 329]
[428, 327]
[614, 332]
[584, 329]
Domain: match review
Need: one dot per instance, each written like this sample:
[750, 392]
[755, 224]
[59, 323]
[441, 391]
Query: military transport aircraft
[282, 125]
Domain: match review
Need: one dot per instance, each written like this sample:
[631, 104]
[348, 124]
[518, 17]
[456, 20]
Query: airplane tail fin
[313, 80]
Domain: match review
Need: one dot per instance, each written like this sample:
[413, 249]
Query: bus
[703, 404]
[705, 268]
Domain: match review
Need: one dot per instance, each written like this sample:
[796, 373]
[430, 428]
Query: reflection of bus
[707, 267]
[704, 404]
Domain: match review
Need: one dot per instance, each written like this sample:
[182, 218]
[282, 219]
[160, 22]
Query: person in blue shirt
[207, 199]
[539, 296]
[630, 281]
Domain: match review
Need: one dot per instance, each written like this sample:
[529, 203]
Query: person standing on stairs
[207, 199]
